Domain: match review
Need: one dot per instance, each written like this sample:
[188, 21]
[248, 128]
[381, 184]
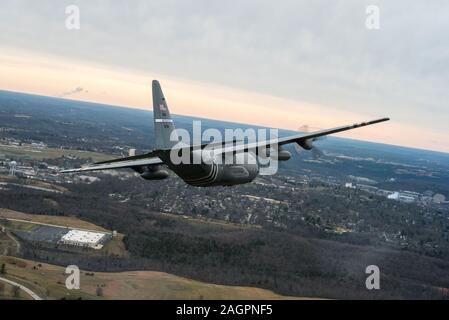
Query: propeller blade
[316, 153]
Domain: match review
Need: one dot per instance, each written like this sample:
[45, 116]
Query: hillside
[49, 281]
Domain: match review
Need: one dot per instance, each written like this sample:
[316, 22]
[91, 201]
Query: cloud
[72, 92]
[317, 51]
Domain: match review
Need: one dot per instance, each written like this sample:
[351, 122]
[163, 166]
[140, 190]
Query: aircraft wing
[117, 164]
[239, 146]
[152, 154]
[299, 138]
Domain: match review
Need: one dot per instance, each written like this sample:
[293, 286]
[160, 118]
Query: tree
[99, 291]
[16, 291]
[3, 269]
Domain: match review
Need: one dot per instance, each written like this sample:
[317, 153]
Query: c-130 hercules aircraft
[202, 173]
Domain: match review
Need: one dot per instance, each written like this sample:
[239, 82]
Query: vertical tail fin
[163, 123]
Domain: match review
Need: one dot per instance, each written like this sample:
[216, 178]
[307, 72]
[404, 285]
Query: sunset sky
[296, 63]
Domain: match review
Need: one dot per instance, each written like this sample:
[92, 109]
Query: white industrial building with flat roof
[83, 238]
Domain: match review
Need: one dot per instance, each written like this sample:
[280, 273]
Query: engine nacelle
[280, 155]
[155, 175]
[152, 172]
[283, 155]
[307, 145]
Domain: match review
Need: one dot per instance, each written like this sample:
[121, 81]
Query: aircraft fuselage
[213, 174]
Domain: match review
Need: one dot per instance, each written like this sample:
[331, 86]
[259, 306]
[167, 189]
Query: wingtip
[381, 120]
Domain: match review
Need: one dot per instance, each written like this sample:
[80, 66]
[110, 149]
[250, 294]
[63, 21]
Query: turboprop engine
[280, 155]
[152, 172]
[307, 145]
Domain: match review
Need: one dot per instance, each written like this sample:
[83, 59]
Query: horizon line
[150, 109]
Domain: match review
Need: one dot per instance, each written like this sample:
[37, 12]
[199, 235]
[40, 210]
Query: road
[13, 239]
[9, 235]
[23, 288]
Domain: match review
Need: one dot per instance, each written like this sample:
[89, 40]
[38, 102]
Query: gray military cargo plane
[152, 165]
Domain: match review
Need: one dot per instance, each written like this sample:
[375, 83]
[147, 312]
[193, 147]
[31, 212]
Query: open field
[46, 281]
[69, 222]
[209, 221]
[20, 226]
[36, 153]
[6, 180]
[49, 282]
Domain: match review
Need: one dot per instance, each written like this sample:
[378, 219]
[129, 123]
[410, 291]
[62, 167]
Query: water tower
[12, 168]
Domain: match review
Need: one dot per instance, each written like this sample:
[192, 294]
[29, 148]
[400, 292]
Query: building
[403, 197]
[406, 198]
[439, 198]
[367, 188]
[84, 239]
[87, 179]
[394, 196]
[411, 194]
[385, 193]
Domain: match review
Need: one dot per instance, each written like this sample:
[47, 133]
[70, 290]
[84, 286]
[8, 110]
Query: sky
[281, 64]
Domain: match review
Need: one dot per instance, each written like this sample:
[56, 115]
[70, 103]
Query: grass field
[48, 281]
[70, 222]
[209, 221]
[20, 226]
[6, 180]
[35, 153]
[45, 280]
[7, 293]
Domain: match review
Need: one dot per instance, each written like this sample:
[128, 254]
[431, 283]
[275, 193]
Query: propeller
[310, 144]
